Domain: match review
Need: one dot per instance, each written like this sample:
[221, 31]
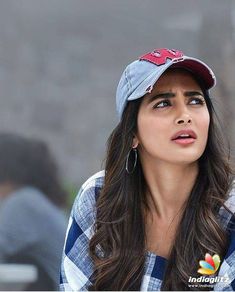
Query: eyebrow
[172, 95]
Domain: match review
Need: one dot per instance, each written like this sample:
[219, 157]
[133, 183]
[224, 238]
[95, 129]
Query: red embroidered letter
[159, 56]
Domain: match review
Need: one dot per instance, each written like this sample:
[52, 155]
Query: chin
[186, 159]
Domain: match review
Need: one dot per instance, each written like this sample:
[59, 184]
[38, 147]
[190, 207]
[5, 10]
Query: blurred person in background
[32, 220]
[166, 199]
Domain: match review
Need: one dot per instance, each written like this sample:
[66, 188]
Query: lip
[186, 141]
[189, 132]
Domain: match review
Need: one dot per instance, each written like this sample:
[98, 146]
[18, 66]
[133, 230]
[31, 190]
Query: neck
[168, 187]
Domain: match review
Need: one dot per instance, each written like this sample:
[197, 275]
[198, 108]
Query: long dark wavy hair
[120, 226]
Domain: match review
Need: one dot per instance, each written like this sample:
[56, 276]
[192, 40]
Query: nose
[183, 114]
[184, 118]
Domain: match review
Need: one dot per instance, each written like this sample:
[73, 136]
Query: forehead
[179, 77]
[174, 79]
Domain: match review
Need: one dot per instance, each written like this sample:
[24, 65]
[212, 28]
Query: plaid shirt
[77, 267]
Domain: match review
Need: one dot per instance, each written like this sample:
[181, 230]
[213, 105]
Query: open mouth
[184, 137]
[184, 140]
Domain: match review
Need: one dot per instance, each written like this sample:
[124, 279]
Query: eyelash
[201, 102]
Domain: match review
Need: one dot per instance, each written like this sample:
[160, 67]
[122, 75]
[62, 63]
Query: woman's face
[175, 104]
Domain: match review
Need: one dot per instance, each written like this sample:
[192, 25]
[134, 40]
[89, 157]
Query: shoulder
[21, 213]
[26, 199]
[89, 190]
[85, 201]
[27, 210]
[230, 202]
[27, 196]
[227, 266]
[76, 273]
[95, 181]
[224, 215]
[228, 220]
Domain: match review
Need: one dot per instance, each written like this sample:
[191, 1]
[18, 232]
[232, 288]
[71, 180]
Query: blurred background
[60, 63]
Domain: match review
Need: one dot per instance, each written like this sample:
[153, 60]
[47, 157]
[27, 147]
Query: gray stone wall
[60, 62]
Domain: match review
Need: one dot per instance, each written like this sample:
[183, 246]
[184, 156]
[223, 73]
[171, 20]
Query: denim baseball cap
[140, 76]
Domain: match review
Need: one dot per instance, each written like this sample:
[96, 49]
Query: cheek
[204, 122]
[144, 128]
[152, 130]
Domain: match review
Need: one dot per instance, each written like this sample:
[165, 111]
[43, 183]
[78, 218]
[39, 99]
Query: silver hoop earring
[135, 162]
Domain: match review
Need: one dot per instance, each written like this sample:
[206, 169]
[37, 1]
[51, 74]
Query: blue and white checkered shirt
[77, 267]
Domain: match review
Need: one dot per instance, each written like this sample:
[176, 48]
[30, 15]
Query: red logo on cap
[159, 56]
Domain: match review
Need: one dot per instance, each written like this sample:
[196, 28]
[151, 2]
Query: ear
[135, 142]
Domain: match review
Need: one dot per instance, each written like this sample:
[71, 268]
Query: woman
[165, 199]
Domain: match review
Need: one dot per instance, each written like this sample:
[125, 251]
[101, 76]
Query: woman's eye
[197, 101]
[162, 104]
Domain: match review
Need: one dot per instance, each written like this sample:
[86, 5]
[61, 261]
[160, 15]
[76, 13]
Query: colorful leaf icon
[205, 265]
[210, 265]
[205, 271]
[216, 260]
[210, 260]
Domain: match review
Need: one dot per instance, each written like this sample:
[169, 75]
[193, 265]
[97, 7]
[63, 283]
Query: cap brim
[196, 67]
[200, 69]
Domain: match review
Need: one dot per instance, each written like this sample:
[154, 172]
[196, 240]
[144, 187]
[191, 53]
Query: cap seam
[128, 82]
